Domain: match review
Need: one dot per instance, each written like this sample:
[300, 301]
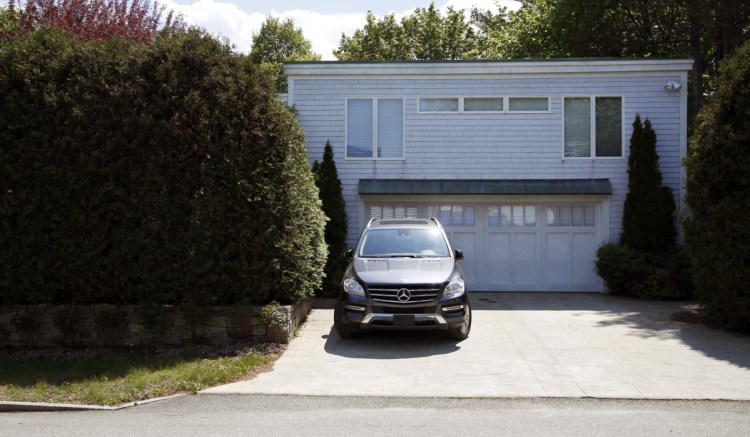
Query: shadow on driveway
[388, 345]
[644, 319]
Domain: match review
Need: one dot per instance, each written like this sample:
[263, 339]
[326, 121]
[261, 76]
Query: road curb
[17, 407]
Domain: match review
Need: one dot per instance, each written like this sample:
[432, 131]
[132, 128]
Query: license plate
[403, 320]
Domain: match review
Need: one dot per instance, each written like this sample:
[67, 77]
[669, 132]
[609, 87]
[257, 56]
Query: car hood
[403, 270]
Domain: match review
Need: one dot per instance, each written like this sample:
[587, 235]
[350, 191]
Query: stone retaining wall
[223, 325]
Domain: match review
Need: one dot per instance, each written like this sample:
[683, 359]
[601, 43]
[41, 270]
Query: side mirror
[459, 254]
[349, 255]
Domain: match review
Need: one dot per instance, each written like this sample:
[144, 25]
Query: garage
[540, 241]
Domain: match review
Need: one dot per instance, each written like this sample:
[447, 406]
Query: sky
[322, 21]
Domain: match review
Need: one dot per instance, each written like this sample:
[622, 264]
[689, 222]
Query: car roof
[404, 222]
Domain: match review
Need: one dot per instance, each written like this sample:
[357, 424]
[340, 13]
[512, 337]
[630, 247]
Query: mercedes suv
[403, 275]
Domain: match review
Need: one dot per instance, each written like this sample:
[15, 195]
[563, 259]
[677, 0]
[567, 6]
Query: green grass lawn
[119, 377]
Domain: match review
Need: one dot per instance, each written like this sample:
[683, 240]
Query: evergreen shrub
[150, 173]
[334, 207]
[717, 229]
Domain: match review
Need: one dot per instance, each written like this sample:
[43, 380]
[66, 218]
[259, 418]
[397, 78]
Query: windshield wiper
[406, 256]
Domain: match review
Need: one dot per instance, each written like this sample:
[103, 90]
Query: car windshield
[414, 243]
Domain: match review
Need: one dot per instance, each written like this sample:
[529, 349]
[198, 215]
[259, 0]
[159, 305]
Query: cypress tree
[334, 208]
[648, 217]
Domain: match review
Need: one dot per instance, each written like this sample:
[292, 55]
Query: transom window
[483, 104]
[528, 104]
[375, 128]
[488, 104]
[593, 127]
[438, 104]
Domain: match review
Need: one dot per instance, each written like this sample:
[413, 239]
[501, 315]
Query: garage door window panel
[511, 215]
[457, 215]
[571, 216]
[390, 211]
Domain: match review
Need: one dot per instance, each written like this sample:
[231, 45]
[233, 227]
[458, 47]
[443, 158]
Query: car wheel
[462, 331]
[338, 323]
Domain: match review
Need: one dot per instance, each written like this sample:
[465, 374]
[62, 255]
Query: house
[524, 162]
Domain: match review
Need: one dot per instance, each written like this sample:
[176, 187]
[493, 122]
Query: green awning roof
[485, 186]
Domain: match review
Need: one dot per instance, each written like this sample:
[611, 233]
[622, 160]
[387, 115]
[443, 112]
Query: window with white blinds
[592, 129]
[390, 128]
[375, 128]
[390, 212]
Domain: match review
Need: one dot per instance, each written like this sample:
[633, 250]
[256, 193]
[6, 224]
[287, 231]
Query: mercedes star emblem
[403, 295]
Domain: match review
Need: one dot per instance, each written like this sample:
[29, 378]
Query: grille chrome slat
[419, 294]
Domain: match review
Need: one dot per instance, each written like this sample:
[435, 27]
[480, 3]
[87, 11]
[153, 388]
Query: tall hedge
[334, 207]
[717, 231]
[165, 172]
[648, 222]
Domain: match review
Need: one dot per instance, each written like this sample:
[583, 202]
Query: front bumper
[360, 314]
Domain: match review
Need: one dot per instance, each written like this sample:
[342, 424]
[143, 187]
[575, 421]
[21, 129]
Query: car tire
[462, 331]
[338, 323]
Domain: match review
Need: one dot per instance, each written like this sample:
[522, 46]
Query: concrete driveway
[521, 345]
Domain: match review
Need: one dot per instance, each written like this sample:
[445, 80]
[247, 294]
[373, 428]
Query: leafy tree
[717, 231]
[160, 173]
[138, 20]
[334, 208]
[424, 35]
[648, 217]
[707, 30]
[279, 41]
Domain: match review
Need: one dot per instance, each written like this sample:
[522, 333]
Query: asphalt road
[261, 415]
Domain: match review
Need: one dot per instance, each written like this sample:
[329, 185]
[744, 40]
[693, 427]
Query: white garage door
[527, 246]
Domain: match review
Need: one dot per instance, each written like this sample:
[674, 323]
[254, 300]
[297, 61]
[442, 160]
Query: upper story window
[375, 128]
[593, 127]
[528, 104]
[483, 104]
[438, 104]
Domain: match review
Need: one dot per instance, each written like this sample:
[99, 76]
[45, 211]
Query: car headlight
[455, 288]
[353, 287]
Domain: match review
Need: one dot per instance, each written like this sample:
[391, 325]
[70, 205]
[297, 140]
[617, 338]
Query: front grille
[405, 309]
[417, 293]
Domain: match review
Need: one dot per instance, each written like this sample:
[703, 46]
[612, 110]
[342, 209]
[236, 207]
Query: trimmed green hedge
[163, 173]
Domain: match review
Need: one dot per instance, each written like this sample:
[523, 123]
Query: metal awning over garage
[485, 186]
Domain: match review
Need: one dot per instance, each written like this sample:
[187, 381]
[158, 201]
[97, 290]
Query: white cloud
[323, 30]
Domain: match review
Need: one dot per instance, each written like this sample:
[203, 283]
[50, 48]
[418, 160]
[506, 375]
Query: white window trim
[592, 114]
[507, 106]
[374, 156]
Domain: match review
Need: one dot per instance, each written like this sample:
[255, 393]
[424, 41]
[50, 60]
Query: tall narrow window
[375, 128]
[577, 127]
[359, 132]
[390, 128]
[608, 126]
